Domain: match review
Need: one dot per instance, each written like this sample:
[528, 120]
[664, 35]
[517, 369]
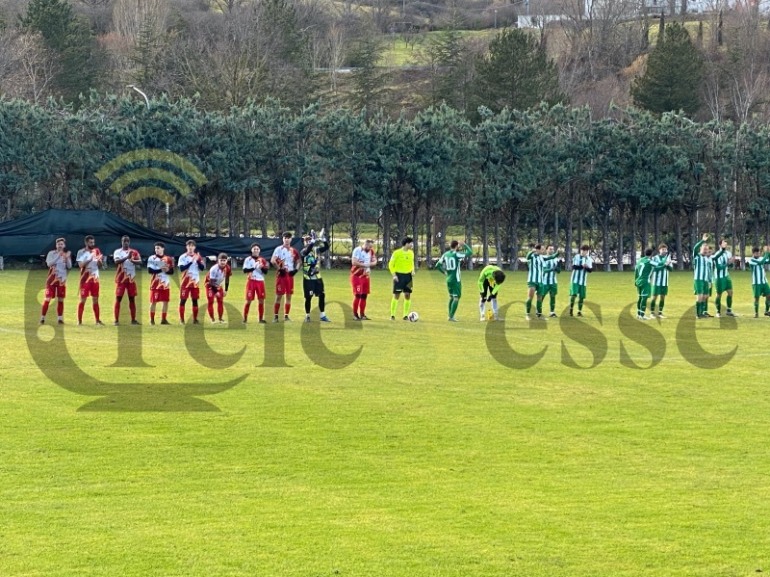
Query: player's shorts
[255, 288]
[190, 292]
[55, 291]
[160, 295]
[724, 284]
[534, 285]
[577, 290]
[125, 287]
[644, 289]
[761, 290]
[89, 289]
[313, 287]
[361, 284]
[454, 288]
[284, 285]
[215, 293]
[659, 291]
[403, 283]
[701, 287]
[541, 289]
[486, 289]
[551, 289]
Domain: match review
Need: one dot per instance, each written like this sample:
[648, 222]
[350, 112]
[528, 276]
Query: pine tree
[673, 77]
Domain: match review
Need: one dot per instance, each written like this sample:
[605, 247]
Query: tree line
[550, 174]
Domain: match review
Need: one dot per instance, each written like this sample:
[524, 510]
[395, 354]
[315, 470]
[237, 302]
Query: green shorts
[761, 290]
[577, 290]
[643, 290]
[701, 287]
[659, 291]
[455, 289]
[724, 284]
[551, 289]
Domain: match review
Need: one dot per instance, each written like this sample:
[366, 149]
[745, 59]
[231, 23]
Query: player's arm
[482, 278]
[122, 259]
[467, 250]
[153, 267]
[201, 261]
[322, 245]
[228, 273]
[440, 265]
[136, 258]
[298, 264]
[392, 263]
[588, 266]
[696, 248]
[551, 256]
[183, 267]
[249, 265]
[577, 264]
[84, 257]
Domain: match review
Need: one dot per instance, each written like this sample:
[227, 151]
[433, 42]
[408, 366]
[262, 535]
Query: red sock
[116, 310]
[132, 308]
[96, 312]
[211, 310]
[163, 316]
[45, 308]
[60, 308]
[261, 311]
[220, 309]
[81, 308]
[276, 308]
[195, 313]
[246, 308]
[286, 309]
[181, 314]
[152, 316]
[356, 302]
[362, 307]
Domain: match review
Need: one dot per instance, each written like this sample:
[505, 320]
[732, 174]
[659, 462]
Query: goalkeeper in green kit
[490, 279]
[449, 264]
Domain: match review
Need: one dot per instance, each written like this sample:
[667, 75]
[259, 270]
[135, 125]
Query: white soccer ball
[413, 317]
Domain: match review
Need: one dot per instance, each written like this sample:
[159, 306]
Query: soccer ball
[413, 317]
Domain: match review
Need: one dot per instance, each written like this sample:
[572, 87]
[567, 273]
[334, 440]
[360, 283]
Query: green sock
[644, 305]
[767, 305]
[571, 302]
[580, 305]
[540, 306]
[529, 306]
[453, 307]
[756, 306]
[729, 301]
[660, 307]
[393, 305]
[553, 303]
[652, 306]
[718, 303]
[407, 306]
[449, 306]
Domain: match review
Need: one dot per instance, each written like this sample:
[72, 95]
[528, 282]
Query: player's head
[648, 252]
[663, 249]
[160, 248]
[368, 244]
[454, 244]
[287, 236]
[499, 277]
[550, 249]
[307, 239]
[255, 249]
[90, 241]
[125, 241]
[723, 243]
[407, 243]
[538, 248]
[60, 243]
[704, 249]
[584, 250]
[190, 244]
[755, 251]
[222, 259]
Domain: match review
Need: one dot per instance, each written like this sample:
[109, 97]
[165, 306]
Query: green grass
[424, 457]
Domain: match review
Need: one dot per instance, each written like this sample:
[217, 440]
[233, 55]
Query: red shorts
[284, 285]
[192, 292]
[55, 291]
[160, 295]
[361, 284]
[255, 287]
[212, 293]
[89, 289]
[125, 287]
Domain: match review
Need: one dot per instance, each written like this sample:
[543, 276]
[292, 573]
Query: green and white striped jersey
[722, 263]
[661, 267]
[535, 264]
[580, 275]
[758, 269]
[702, 267]
[550, 269]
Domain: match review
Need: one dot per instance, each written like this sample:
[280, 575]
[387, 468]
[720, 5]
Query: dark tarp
[35, 235]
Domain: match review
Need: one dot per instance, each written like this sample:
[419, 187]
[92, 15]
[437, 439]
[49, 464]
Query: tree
[673, 77]
[516, 74]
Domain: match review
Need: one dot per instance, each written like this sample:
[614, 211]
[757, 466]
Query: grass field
[425, 456]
